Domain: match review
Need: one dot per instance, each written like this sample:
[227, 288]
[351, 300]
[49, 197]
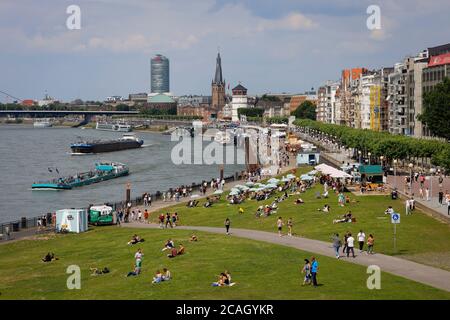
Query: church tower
[218, 87]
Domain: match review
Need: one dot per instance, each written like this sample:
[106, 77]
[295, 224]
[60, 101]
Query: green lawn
[261, 270]
[416, 234]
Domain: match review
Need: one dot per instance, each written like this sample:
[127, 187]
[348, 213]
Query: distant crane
[7, 95]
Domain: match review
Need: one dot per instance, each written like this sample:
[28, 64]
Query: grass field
[416, 235]
[261, 270]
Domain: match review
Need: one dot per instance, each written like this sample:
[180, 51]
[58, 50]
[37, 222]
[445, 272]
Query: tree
[307, 110]
[436, 110]
[251, 112]
[123, 107]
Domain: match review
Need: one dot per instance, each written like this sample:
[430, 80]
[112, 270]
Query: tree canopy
[251, 112]
[382, 143]
[436, 110]
[307, 110]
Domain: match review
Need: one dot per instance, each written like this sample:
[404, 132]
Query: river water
[26, 153]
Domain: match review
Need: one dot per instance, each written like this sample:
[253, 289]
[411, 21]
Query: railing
[27, 223]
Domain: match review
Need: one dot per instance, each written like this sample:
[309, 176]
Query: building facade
[160, 80]
[239, 100]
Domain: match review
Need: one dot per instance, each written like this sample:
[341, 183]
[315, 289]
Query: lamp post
[410, 165]
[395, 173]
[359, 152]
[381, 161]
[432, 171]
[369, 154]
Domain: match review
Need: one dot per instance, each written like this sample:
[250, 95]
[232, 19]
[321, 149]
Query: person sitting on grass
[166, 276]
[193, 238]
[180, 250]
[326, 208]
[168, 245]
[299, 201]
[96, 272]
[274, 205]
[241, 210]
[135, 239]
[259, 211]
[50, 256]
[389, 210]
[224, 280]
[208, 203]
[345, 218]
[158, 277]
[176, 252]
[325, 194]
[137, 268]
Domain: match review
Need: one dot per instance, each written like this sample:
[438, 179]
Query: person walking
[344, 249]
[361, 239]
[290, 224]
[168, 221]
[370, 242]
[350, 245]
[337, 244]
[280, 225]
[227, 225]
[314, 270]
[407, 207]
[441, 197]
[447, 199]
[307, 271]
[427, 194]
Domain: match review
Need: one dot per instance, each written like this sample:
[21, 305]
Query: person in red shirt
[161, 220]
[146, 215]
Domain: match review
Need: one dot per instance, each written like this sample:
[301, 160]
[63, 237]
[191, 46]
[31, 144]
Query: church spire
[218, 76]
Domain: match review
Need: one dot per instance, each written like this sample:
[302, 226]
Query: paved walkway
[160, 204]
[434, 277]
[340, 156]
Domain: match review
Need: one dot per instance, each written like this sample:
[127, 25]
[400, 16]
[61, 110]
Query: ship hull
[68, 186]
[105, 147]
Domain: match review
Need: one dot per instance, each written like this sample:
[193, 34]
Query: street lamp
[381, 160]
[410, 165]
[395, 173]
[359, 152]
[432, 172]
[369, 154]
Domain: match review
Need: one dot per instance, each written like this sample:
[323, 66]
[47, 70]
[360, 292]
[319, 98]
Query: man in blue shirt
[314, 269]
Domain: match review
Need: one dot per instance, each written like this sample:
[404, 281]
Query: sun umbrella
[273, 180]
[271, 186]
[195, 196]
[235, 190]
[218, 192]
[250, 184]
[233, 193]
[291, 176]
[286, 179]
[306, 177]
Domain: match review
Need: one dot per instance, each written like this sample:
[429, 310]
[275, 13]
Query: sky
[268, 46]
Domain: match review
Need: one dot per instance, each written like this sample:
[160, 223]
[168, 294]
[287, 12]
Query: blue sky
[270, 46]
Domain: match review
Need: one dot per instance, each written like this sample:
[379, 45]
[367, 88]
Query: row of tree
[381, 143]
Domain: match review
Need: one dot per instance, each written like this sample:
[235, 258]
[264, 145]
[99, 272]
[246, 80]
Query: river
[27, 153]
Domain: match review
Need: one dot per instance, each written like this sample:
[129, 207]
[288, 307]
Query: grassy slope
[262, 271]
[416, 234]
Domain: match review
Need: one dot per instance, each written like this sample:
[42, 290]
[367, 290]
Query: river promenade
[337, 157]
